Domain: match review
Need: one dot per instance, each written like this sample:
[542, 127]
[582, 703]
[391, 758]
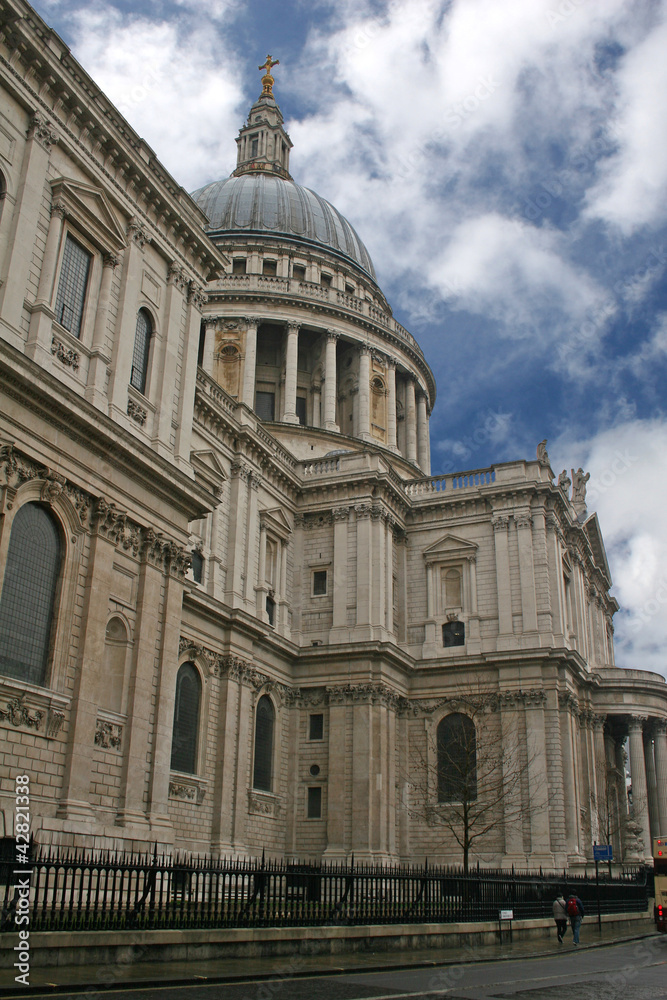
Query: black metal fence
[87, 891]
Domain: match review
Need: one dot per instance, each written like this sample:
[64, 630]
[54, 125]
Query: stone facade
[247, 509]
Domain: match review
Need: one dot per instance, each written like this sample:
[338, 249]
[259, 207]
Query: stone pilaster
[291, 361]
[330, 387]
[660, 737]
[250, 362]
[639, 786]
[38, 345]
[392, 442]
[364, 397]
[100, 355]
[411, 421]
[506, 638]
[165, 360]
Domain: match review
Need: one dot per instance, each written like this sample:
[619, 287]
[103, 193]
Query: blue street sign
[602, 852]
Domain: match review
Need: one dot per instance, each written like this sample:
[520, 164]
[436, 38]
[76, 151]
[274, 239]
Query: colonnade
[648, 768]
[416, 444]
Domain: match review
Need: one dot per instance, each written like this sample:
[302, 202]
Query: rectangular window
[316, 727]
[454, 634]
[349, 289]
[265, 405]
[270, 268]
[301, 409]
[239, 265]
[299, 272]
[72, 286]
[315, 803]
[325, 279]
[254, 144]
[320, 583]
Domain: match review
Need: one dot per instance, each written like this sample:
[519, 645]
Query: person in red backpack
[575, 912]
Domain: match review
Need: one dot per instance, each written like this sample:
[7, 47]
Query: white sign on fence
[507, 914]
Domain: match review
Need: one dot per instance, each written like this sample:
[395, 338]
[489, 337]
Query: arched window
[186, 719]
[264, 725]
[28, 594]
[115, 656]
[457, 759]
[142, 345]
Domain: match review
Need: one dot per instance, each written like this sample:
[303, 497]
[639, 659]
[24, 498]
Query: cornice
[55, 403]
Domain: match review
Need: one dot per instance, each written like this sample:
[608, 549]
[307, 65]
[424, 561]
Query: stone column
[126, 321]
[378, 554]
[226, 768]
[100, 355]
[89, 682]
[422, 436]
[250, 363]
[660, 735]
[389, 585]
[242, 779]
[506, 637]
[411, 421]
[165, 360]
[330, 386]
[261, 588]
[336, 788]
[651, 784]
[619, 750]
[639, 787]
[238, 508]
[341, 516]
[25, 219]
[555, 571]
[291, 361]
[538, 785]
[570, 791]
[364, 399]
[147, 633]
[186, 398]
[251, 548]
[524, 527]
[166, 693]
[363, 774]
[602, 791]
[38, 344]
[210, 323]
[392, 441]
[365, 557]
[514, 853]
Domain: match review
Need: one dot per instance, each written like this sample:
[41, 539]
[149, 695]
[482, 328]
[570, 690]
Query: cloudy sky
[505, 162]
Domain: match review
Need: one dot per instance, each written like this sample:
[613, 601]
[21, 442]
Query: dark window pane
[142, 344]
[239, 265]
[28, 594]
[454, 634]
[264, 722]
[186, 720]
[319, 582]
[457, 759]
[316, 727]
[197, 566]
[299, 272]
[315, 803]
[301, 409]
[270, 268]
[271, 610]
[72, 286]
[265, 405]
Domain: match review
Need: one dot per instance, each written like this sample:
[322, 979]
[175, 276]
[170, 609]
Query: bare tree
[467, 774]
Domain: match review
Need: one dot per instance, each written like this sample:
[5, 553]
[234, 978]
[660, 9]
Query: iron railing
[72, 890]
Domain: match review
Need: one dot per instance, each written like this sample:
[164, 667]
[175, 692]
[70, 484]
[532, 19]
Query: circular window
[315, 770]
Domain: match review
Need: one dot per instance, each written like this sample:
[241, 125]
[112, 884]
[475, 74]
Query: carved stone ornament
[19, 714]
[54, 485]
[500, 522]
[176, 276]
[65, 354]
[522, 519]
[108, 735]
[137, 233]
[54, 722]
[42, 130]
[137, 412]
[374, 694]
[185, 792]
[197, 296]
[258, 805]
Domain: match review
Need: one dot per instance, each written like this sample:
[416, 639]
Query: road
[631, 971]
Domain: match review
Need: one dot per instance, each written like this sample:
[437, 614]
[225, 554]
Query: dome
[262, 203]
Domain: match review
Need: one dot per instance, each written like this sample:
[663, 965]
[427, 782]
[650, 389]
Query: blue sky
[506, 165]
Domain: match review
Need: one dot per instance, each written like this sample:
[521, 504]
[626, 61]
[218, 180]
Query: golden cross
[267, 79]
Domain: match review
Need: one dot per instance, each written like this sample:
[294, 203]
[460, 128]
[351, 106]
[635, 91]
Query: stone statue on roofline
[565, 482]
[579, 480]
[542, 455]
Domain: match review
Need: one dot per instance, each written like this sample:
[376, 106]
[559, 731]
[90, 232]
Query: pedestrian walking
[575, 911]
[560, 916]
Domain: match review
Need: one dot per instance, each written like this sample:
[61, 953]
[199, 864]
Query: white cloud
[175, 84]
[627, 489]
[632, 189]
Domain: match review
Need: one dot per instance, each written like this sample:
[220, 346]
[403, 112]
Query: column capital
[196, 295]
[41, 129]
[293, 327]
[332, 335]
[137, 233]
[523, 519]
[253, 320]
[660, 727]
[500, 522]
[340, 514]
[176, 276]
[391, 362]
[59, 208]
[636, 723]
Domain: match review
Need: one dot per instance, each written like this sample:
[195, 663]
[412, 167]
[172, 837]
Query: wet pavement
[117, 975]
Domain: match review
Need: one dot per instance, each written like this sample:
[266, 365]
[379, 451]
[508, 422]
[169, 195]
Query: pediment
[90, 207]
[448, 548]
[208, 469]
[594, 535]
[275, 521]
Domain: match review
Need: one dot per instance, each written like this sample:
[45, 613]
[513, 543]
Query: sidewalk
[59, 979]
